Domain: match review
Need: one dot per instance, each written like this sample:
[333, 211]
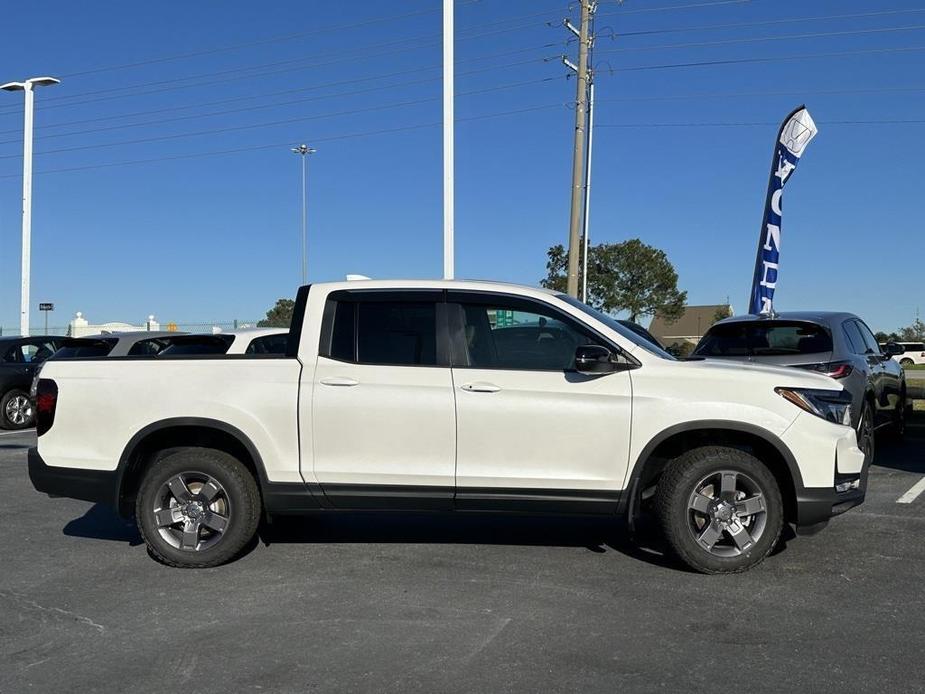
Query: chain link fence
[170, 326]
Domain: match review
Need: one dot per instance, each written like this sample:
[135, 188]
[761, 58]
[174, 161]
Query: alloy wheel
[866, 434]
[727, 513]
[192, 511]
[18, 410]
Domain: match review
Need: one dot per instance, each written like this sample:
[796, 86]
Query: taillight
[46, 402]
[835, 369]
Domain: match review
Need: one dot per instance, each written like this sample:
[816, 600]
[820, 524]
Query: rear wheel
[720, 509]
[906, 362]
[16, 410]
[197, 507]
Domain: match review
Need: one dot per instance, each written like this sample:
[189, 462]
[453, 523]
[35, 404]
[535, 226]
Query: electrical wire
[875, 121]
[287, 121]
[769, 22]
[264, 95]
[332, 138]
[770, 59]
[761, 39]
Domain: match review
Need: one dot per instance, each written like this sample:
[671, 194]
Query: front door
[383, 416]
[532, 433]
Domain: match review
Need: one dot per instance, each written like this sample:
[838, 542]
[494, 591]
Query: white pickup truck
[448, 395]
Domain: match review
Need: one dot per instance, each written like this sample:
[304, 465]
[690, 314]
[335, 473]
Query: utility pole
[578, 159]
[304, 150]
[587, 210]
[28, 87]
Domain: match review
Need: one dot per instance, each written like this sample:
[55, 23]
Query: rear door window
[764, 339]
[374, 329]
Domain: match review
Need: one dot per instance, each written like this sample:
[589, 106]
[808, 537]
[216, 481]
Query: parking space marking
[913, 493]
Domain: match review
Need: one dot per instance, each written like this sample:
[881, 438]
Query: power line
[771, 59]
[736, 124]
[262, 42]
[275, 105]
[237, 74]
[764, 93]
[672, 8]
[760, 39]
[290, 37]
[769, 22]
[369, 133]
[264, 95]
[287, 121]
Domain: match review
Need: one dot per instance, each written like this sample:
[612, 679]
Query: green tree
[280, 316]
[914, 332]
[630, 276]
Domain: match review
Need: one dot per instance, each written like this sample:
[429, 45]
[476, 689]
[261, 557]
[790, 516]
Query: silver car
[839, 345]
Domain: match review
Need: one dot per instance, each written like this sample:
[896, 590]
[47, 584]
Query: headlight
[831, 405]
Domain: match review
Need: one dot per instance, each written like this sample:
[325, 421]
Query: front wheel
[907, 362]
[197, 507]
[720, 509]
[16, 411]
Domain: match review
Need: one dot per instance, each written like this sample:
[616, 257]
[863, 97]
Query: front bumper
[88, 485]
[816, 506]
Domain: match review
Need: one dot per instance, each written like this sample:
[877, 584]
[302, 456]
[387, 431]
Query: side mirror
[594, 359]
[892, 349]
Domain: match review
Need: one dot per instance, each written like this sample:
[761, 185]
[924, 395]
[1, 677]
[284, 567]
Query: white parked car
[264, 341]
[449, 395]
[914, 354]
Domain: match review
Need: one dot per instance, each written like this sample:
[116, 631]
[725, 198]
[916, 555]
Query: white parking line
[911, 495]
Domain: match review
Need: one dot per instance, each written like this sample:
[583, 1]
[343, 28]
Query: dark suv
[839, 345]
[20, 357]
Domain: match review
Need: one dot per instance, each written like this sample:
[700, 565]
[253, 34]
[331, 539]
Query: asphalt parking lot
[435, 603]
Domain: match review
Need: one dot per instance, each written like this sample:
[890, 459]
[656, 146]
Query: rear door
[383, 416]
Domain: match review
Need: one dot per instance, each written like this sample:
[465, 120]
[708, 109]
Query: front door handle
[480, 387]
[339, 381]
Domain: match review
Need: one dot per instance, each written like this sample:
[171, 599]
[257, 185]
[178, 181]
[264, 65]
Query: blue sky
[208, 238]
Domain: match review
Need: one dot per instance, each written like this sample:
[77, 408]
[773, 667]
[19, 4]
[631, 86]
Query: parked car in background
[839, 345]
[20, 358]
[914, 353]
[141, 343]
[241, 341]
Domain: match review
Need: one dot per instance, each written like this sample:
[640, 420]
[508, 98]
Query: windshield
[614, 325]
[764, 338]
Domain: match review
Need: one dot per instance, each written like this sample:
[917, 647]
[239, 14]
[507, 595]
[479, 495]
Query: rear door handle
[339, 381]
[480, 387]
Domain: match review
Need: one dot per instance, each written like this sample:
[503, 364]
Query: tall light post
[304, 150]
[448, 142]
[27, 86]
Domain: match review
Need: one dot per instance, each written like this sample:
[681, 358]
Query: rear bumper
[75, 483]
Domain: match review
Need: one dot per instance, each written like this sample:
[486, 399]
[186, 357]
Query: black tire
[867, 440]
[687, 478]
[9, 406]
[226, 496]
[898, 430]
[906, 362]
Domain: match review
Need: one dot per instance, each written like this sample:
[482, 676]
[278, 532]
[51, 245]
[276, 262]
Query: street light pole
[449, 241]
[28, 87]
[304, 150]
